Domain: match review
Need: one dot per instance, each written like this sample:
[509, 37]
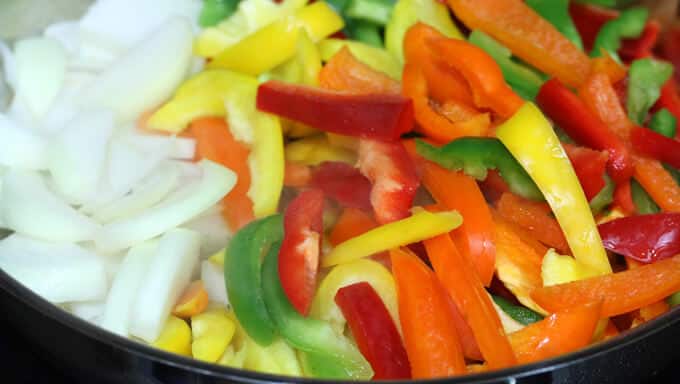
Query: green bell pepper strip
[522, 315]
[242, 275]
[645, 79]
[329, 354]
[476, 155]
[365, 32]
[643, 202]
[664, 123]
[521, 78]
[629, 24]
[375, 11]
[604, 197]
[557, 14]
[674, 299]
[214, 11]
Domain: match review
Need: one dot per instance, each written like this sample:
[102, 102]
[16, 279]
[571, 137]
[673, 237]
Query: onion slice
[21, 148]
[213, 281]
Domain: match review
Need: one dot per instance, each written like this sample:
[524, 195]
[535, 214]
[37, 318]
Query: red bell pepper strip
[299, 253]
[430, 337]
[393, 176]
[374, 331]
[657, 146]
[620, 292]
[377, 116]
[572, 115]
[557, 334]
[644, 238]
[589, 166]
[670, 99]
[458, 276]
[670, 48]
[343, 183]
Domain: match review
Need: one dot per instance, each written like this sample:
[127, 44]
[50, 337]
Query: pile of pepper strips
[463, 186]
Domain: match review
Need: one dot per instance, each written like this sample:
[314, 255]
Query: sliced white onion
[40, 71]
[59, 272]
[125, 286]
[177, 209]
[67, 33]
[21, 148]
[213, 281]
[87, 310]
[214, 231]
[77, 155]
[29, 207]
[8, 65]
[65, 108]
[168, 274]
[147, 194]
[179, 148]
[123, 23]
[146, 75]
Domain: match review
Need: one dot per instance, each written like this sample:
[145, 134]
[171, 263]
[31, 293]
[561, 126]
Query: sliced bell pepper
[304, 66]
[646, 77]
[211, 332]
[351, 223]
[374, 331]
[324, 306]
[529, 36]
[475, 237]
[175, 337]
[317, 149]
[393, 177]
[655, 145]
[644, 238]
[374, 11]
[421, 225]
[621, 292]
[301, 247]
[431, 340]
[534, 217]
[560, 333]
[670, 98]
[524, 81]
[344, 72]
[605, 197]
[557, 13]
[214, 11]
[332, 352]
[296, 175]
[344, 184]
[215, 142]
[589, 166]
[658, 182]
[242, 275]
[364, 31]
[406, 13]
[376, 58]
[193, 301]
[560, 269]
[522, 315]
[384, 117]
[573, 116]
[278, 39]
[602, 100]
[475, 156]
[544, 159]
[481, 72]
[643, 202]
[664, 123]
[225, 93]
[460, 280]
[629, 23]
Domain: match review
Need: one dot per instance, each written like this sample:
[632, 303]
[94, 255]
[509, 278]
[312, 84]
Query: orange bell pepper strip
[193, 301]
[296, 175]
[432, 122]
[651, 311]
[215, 142]
[529, 36]
[458, 276]
[431, 341]
[658, 182]
[557, 334]
[606, 64]
[457, 191]
[352, 222]
[343, 72]
[535, 217]
[621, 292]
[482, 73]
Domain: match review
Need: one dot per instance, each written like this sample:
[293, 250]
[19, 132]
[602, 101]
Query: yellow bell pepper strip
[224, 93]
[530, 138]
[278, 40]
[175, 337]
[315, 150]
[420, 226]
[331, 350]
[212, 332]
[558, 269]
[406, 13]
[376, 58]
[304, 66]
[380, 278]
[250, 16]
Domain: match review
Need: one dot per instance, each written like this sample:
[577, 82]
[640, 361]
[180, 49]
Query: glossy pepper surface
[645, 238]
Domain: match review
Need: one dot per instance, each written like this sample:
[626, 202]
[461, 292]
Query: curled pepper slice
[645, 238]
